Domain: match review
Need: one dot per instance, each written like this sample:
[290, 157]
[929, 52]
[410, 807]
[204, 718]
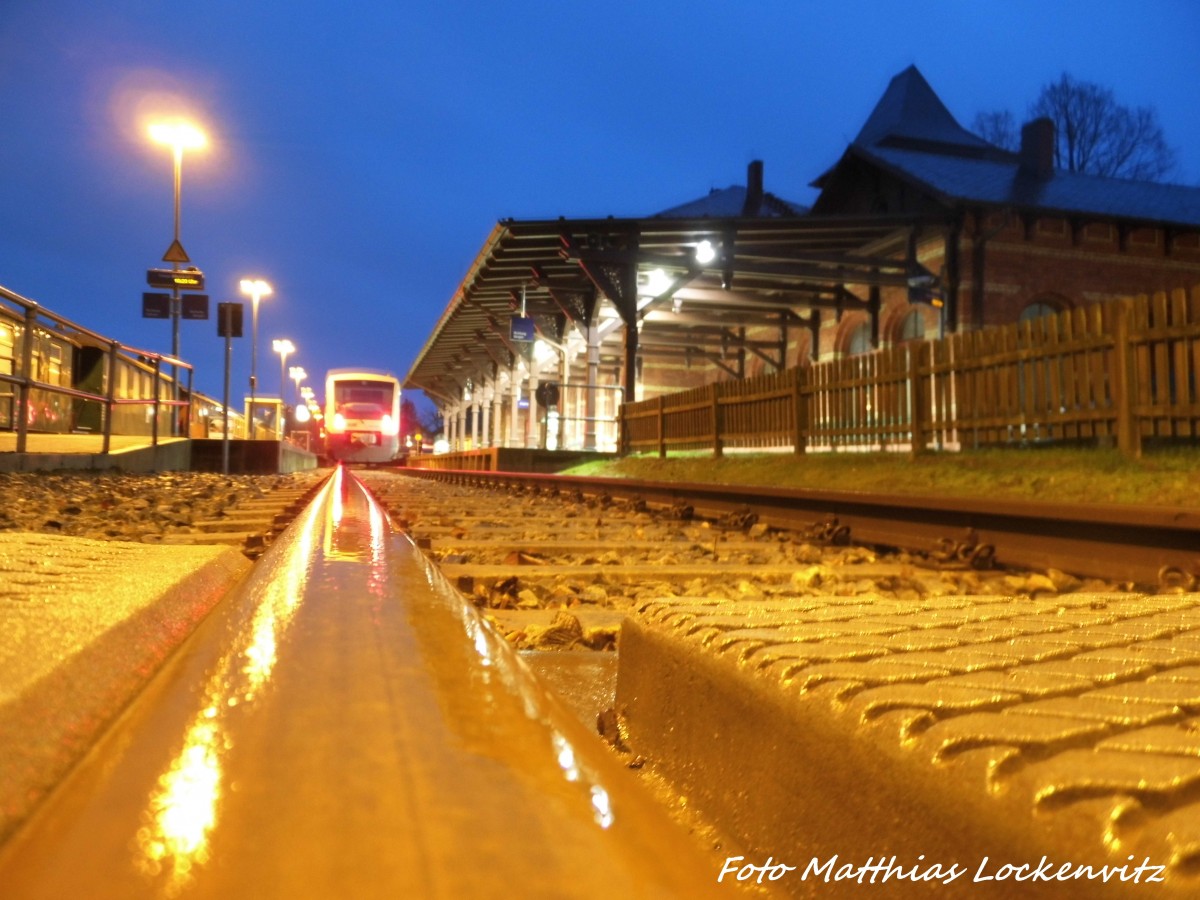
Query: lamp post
[255, 289]
[179, 136]
[284, 348]
[297, 374]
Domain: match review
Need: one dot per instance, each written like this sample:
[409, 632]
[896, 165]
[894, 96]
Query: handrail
[150, 362]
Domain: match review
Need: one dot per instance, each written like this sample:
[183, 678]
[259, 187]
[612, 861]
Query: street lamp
[255, 289]
[283, 347]
[179, 136]
[297, 374]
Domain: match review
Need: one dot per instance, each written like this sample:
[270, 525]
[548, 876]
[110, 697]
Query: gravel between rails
[120, 506]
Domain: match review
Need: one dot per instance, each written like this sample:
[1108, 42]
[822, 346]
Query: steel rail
[1141, 545]
[346, 725]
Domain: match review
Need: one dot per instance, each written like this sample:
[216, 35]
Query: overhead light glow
[180, 135]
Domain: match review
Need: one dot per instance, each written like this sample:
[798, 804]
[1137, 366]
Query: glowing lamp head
[338, 425]
[255, 288]
[388, 426]
[179, 135]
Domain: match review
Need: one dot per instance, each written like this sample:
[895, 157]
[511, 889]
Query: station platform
[970, 746]
[135, 453]
[507, 459]
[130, 453]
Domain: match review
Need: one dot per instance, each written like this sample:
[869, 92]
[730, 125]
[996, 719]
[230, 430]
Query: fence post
[110, 393]
[799, 412]
[718, 448]
[1129, 435]
[23, 390]
[662, 436]
[157, 407]
[918, 398]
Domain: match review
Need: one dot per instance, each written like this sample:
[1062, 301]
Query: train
[362, 416]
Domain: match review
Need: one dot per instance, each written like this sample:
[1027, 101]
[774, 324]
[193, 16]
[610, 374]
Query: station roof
[765, 268]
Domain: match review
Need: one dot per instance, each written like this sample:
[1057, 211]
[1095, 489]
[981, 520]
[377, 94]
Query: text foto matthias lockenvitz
[885, 869]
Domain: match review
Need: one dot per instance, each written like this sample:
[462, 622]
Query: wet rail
[1147, 546]
[344, 725]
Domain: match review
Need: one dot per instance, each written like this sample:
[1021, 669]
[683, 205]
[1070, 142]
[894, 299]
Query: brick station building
[920, 229]
[1021, 237]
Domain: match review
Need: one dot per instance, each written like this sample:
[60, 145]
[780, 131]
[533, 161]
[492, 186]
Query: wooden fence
[1114, 373]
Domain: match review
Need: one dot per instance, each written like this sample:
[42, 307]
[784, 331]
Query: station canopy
[692, 286]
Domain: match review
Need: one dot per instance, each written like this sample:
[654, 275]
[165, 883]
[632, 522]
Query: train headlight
[338, 425]
[387, 426]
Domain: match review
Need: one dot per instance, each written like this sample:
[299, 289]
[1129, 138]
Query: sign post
[229, 326]
[177, 279]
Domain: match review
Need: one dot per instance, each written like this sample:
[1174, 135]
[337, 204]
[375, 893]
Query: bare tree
[1093, 133]
[997, 127]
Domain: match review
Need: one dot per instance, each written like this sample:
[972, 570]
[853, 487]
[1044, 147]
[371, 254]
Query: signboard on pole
[195, 306]
[179, 279]
[156, 306]
[229, 320]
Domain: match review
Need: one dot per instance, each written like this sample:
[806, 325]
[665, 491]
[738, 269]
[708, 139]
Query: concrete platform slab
[86, 623]
[1019, 767]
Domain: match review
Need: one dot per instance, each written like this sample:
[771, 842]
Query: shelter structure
[920, 228]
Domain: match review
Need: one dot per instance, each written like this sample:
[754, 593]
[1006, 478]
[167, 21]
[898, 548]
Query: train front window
[360, 394]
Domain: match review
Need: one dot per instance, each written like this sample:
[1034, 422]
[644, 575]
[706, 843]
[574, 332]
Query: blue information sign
[521, 328]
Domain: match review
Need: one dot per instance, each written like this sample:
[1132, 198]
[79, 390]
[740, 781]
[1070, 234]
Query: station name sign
[521, 328]
[177, 279]
[158, 306]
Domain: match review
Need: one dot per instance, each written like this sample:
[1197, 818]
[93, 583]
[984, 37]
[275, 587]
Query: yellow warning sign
[176, 254]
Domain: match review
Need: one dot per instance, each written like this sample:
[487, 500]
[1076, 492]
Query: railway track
[1142, 546]
[803, 693]
[844, 687]
[559, 567]
[343, 725]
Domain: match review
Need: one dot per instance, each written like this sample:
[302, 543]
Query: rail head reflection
[184, 810]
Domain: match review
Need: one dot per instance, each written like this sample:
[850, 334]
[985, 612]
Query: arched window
[860, 340]
[1039, 308]
[912, 327]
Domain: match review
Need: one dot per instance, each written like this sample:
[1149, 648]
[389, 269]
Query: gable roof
[955, 180]
[912, 135]
[737, 201]
[729, 202]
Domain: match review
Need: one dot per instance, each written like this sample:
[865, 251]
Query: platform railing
[35, 321]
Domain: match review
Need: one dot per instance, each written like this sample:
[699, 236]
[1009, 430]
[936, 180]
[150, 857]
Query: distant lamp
[705, 252]
[297, 374]
[924, 288]
[284, 348]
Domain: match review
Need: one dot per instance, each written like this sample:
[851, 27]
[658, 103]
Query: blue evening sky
[360, 153]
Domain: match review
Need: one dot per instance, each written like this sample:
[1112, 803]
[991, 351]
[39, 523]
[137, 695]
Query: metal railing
[34, 321]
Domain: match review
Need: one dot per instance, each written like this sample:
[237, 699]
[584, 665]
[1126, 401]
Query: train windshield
[363, 397]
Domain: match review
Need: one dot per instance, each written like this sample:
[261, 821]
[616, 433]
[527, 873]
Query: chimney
[754, 189]
[1037, 148]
